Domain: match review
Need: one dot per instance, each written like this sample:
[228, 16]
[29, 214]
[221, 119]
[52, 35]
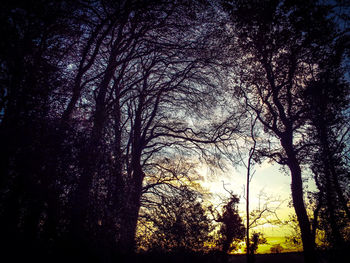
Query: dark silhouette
[231, 227]
[249, 176]
[328, 100]
[275, 40]
[180, 223]
[92, 94]
[255, 240]
[276, 248]
[103, 103]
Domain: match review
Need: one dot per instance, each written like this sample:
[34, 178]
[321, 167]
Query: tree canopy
[107, 108]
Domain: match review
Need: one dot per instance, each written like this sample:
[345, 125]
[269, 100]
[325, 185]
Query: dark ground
[324, 257]
[270, 258]
[86, 257]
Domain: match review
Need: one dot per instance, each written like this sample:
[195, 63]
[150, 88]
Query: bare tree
[249, 175]
[279, 58]
[142, 77]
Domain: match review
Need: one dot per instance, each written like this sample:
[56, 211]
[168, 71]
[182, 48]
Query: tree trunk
[298, 201]
[331, 181]
[129, 216]
[247, 211]
[331, 173]
[89, 162]
[80, 201]
[132, 203]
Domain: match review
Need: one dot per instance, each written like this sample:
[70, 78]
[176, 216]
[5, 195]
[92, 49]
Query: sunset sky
[270, 179]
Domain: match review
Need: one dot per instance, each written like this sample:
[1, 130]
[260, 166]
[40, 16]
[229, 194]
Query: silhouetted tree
[281, 53]
[92, 95]
[136, 79]
[256, 239]
[98, 99]
[328, 102]
[276, 248]
[231, 226]
[179, 222]
[31, 58]
[249, 175]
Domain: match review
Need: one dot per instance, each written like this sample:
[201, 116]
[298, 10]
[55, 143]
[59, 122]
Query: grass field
[293, 257]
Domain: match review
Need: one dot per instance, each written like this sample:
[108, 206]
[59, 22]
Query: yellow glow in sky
[268, 179]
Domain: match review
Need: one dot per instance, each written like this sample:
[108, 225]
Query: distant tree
[276, 248]
[293, 239]
[256, 239]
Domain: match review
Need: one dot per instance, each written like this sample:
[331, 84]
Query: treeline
[106, 106]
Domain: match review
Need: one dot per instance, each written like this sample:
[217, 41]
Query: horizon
[277, 186]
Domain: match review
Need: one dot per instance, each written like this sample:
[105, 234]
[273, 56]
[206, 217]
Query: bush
[276, 248]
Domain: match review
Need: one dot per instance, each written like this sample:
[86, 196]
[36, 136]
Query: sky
[270, 179]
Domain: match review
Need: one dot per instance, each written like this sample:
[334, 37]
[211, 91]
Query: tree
[328, 132]
[280, 54]
[179, 222]
[143, 82]
[256, 239]
[99, 99]
[276, 248]
[125, 87]
[31, 71]
[249, 176]
[255, 216]
[231, 227]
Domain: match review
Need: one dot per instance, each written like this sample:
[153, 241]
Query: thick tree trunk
[129, 216]
[300, 210]
[298, 201]
[133, 190]
[330, 198]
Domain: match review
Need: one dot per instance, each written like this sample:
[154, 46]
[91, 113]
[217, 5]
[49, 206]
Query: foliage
[329, 132]
[293, 240]
[178, 223]
[282, 55]
[93, 95]
[276, 248]
[231, 230]
[105, 105]
[256, 239]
